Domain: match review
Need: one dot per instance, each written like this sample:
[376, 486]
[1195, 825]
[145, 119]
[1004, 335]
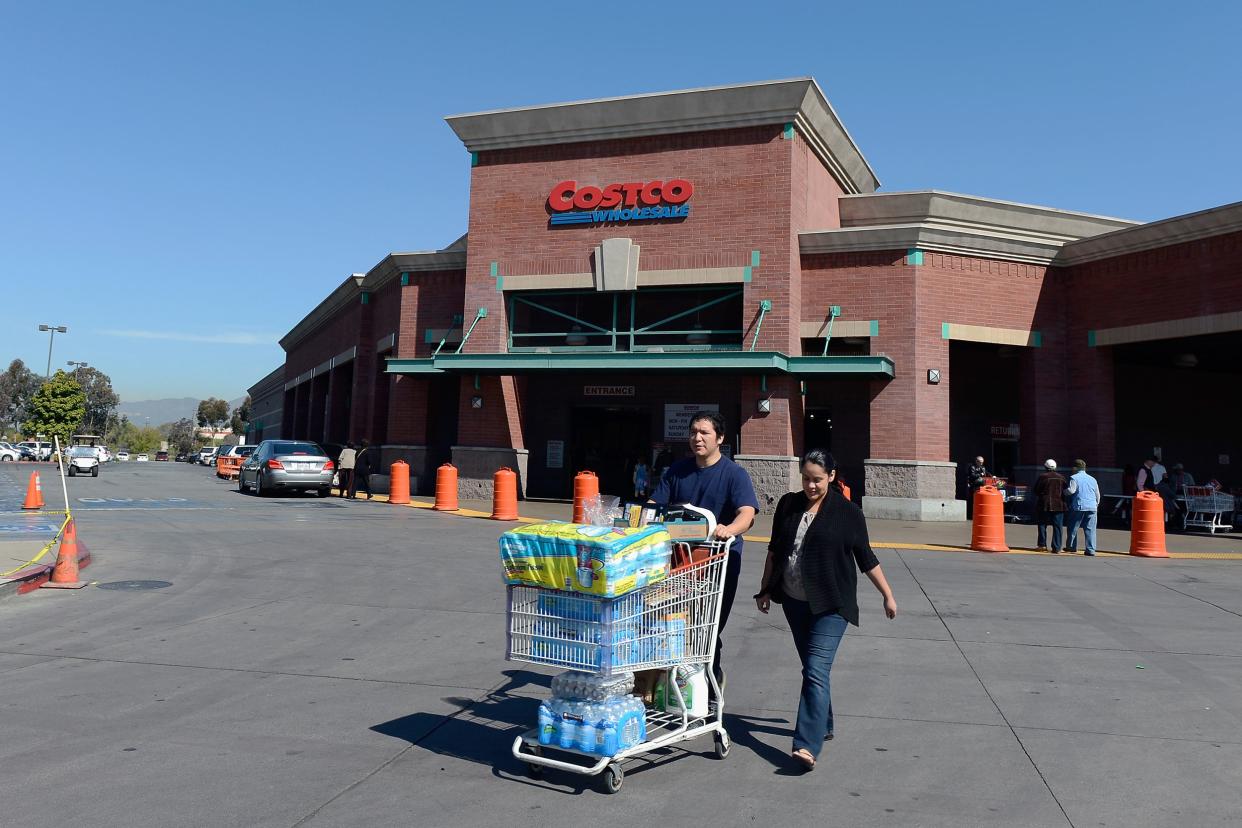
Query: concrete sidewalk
[898, 534]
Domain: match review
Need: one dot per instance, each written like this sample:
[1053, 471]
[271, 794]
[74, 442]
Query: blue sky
[183, 182]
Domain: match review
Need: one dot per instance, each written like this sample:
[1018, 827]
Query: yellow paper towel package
[593, 560]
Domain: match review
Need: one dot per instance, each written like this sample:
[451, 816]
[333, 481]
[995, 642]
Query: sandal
[803, 756]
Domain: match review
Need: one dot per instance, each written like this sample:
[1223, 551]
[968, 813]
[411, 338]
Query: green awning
[734, 362]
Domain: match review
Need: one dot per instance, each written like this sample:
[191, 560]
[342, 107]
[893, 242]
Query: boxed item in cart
[605, 561]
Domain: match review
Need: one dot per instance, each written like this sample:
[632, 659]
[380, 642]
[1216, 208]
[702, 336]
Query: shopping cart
[692, 592]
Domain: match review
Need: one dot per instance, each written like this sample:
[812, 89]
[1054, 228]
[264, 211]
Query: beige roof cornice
[797, 101]
[1177, 230]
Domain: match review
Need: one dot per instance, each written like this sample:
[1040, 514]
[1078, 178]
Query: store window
[665, 319]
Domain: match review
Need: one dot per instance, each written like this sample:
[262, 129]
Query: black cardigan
[835, 543]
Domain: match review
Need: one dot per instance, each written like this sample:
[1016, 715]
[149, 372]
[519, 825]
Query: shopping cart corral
[667, 625]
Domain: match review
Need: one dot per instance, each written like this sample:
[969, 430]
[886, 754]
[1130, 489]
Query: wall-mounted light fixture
[765, 406]
[933, 376]
[476, 401]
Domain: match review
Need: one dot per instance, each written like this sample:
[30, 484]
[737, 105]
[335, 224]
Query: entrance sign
[556, 454]
[607, 390]
[631, 201]
[677, 419]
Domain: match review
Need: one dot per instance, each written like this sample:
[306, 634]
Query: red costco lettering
[567, 195]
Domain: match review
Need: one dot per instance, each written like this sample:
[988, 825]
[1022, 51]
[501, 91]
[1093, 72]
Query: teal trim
[746, 273]
[405, 280]
[1090, 339]
[833, 312]
[555, 312]
[495, 270]
[500, 280]
[914, 257]
[754, 258]
[1037, 339]
[752, 362]
[482, 314]
[944, 330]
[764, 307]
[875, 327]
[366, 298]
[730, 295]
[474, 159]
[788, 134]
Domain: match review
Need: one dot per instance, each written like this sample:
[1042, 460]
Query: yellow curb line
[922, 547]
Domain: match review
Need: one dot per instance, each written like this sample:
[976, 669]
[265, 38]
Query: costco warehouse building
[630, 260]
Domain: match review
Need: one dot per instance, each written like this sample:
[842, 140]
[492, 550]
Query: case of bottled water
[602, 727]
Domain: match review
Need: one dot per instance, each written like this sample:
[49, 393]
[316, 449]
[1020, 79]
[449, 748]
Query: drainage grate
[135, 585]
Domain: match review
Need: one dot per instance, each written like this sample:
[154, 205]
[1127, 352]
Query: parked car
[41, 451]
[181, 458]
[142, 458]
[8, 453]
[26, 452]
[161, 455]
[83, 460]
[207, 455]
[286, 465]
[122, 456]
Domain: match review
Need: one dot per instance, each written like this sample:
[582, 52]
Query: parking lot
[301, 661]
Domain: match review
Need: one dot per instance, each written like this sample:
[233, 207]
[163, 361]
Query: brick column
[770, 442]
[490, 437]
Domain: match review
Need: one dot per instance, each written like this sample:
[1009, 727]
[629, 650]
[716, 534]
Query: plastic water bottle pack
[603, 728]
[590, 687]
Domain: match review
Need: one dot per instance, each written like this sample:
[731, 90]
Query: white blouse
[791, 582]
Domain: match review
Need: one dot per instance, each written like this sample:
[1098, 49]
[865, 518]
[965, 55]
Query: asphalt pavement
[294, 661]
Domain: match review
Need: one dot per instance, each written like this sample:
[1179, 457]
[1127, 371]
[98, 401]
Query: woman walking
[819, 544]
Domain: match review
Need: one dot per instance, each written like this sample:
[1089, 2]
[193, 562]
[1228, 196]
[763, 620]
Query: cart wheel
[722, 745]
[614, 777]
[534, 770]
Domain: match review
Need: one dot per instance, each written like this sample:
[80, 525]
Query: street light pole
[52, 331]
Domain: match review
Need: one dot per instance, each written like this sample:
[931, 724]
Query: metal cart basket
[669, 624]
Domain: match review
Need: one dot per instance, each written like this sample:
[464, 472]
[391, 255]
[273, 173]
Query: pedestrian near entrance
[975, 477]
[819, 545]
[1083, 493]
[1150, 475]
[345, 470]
[642, 479]
[1050, 506]
[713, 482]
[362, 470]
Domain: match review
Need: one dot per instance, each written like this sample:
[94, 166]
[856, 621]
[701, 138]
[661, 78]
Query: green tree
[213, 413]
[56, 409]
[101, 400]
[180, 435]
[241, 416]
[17, 385]
[145, 440]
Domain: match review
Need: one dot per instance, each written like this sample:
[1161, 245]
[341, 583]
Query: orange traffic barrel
[446, 488]
[987, 532]
[1147, 526]
[504, 495]
[845, 490]
[586, 486]
[399, 483]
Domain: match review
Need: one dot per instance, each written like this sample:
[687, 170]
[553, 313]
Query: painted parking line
[117, 503]
[28, 528]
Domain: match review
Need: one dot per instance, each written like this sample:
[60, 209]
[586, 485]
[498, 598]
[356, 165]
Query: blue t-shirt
[721, 488]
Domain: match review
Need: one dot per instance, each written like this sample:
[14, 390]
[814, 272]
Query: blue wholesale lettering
[660, 213]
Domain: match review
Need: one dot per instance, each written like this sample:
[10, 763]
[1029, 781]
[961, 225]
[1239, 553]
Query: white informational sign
[556, 454]
[677, 418]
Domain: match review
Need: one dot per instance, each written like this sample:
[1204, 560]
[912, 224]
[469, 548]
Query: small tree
[145, 440]
[180, 435]
[213, 413]
[241, 416]
[17, 385]
[56, 409]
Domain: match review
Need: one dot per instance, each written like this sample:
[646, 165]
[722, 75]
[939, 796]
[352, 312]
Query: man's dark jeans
[733, 569]
[1057, 521]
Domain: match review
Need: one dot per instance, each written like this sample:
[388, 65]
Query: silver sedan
[286, 465]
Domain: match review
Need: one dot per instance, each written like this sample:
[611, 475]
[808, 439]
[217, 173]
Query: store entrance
[607, 440]
[817, 429]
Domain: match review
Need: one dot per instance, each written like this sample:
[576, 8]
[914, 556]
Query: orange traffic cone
[34, 493]
[987, 533]
[446, 488]
[1147, 526]
[504, 495]
[586, 486]
[65, 573]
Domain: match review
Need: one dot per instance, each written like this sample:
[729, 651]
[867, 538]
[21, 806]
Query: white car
[142, 458]
[122, 456]
[8, 453]
[83, 460]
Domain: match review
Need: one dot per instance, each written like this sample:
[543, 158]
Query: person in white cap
[1050, 506]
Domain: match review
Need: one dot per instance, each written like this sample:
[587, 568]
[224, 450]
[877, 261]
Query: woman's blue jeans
[817, 638]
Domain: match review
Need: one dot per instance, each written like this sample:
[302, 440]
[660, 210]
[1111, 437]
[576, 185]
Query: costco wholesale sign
[632, 201]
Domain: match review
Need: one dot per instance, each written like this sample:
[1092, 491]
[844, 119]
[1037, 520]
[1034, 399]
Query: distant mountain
[159, 412]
